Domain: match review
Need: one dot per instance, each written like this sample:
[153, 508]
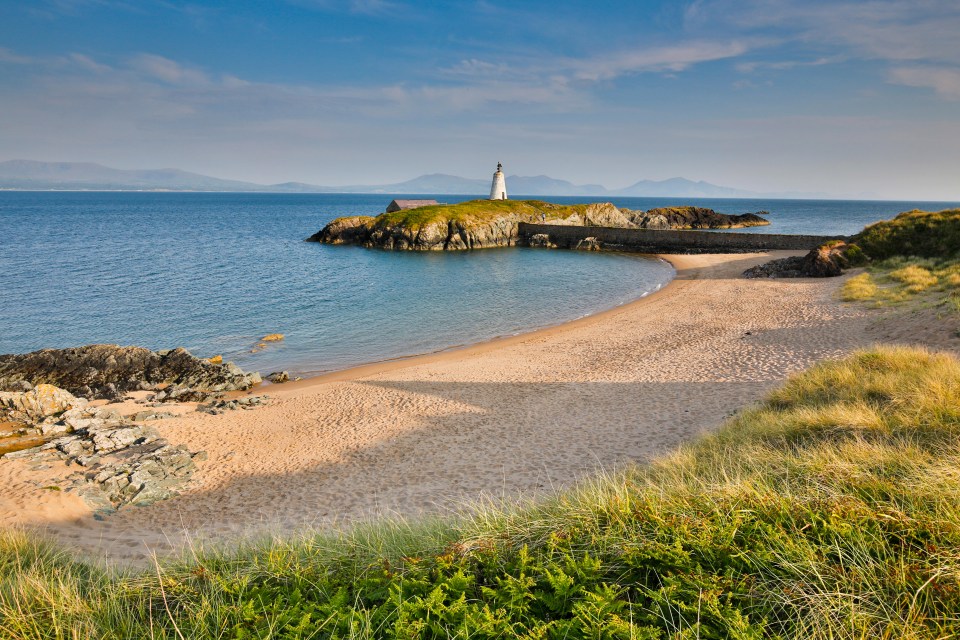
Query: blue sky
[841, 97]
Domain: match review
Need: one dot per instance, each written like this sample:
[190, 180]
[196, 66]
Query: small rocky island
[481, 224]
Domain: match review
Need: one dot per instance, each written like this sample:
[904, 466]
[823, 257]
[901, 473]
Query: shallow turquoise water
[213, 272]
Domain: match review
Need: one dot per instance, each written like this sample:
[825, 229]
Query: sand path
[516, 417]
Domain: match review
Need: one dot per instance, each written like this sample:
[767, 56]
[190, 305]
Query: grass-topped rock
[912, 235]
[494, 223]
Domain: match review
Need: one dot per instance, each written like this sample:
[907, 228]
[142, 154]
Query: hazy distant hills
[30, 174]
[34, 175]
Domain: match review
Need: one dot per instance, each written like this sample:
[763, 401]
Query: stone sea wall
[664, 241]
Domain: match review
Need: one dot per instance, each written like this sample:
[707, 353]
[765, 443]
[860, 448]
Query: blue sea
[213, 272]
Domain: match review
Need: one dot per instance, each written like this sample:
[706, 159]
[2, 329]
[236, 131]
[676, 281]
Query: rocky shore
[483, 223]
[110, 460]
[119, 461]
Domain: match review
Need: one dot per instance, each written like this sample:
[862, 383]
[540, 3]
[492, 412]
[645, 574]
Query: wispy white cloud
[71, 8]
[9, 57]
[880, 29]
[392, 8]
[782, 65]
[672, 58]
[943, 80]
[74, 61]
[168, 71]
[88, 63]
[478, 68]
[917, 40]
[374, 7]
[568, 72]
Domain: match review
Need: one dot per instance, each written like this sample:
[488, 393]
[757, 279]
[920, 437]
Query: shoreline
[676, 261]
[515, 417]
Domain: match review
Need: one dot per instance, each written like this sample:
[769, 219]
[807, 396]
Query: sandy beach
[509, 418]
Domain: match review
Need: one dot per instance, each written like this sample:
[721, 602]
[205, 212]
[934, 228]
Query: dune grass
[831, 510]
[921, 281]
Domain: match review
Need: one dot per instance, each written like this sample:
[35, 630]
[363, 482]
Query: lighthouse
[498, 190]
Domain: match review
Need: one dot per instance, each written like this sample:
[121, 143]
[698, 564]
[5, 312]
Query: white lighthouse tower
[498, 190]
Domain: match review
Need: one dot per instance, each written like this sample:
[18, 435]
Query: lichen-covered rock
[40, 402]
[279, 377]
[598, 215]
[107, 371]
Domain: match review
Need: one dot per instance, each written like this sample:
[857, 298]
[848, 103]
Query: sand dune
[514, 417]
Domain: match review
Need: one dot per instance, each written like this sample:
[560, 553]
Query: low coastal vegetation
[916, 258]
[830, 510]
[923, 234]
[933, 283]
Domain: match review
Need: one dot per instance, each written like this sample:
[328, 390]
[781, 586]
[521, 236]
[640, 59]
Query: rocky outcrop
[220, 406]
[480, 224]
[108, 371]
[40, 402]
[122, 462]
[597, 215]
[350, 230]
[589, 244]
[541, 240]
[692, 218]
[826, 261]
[449, 235]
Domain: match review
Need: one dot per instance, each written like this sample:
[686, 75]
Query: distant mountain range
[88, 176]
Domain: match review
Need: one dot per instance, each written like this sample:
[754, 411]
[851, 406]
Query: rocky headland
[495, 223]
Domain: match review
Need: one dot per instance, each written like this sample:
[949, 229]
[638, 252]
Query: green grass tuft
[859, 288]
[830, 510]
[918, 281]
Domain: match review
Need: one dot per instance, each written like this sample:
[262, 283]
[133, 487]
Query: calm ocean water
[212, 272]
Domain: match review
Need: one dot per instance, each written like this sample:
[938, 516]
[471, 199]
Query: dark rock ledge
[108, 371]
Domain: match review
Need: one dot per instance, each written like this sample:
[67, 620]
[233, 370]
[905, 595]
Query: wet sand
[512, 417]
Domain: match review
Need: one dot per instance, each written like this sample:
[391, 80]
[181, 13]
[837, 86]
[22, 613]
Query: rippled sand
[508, 418]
